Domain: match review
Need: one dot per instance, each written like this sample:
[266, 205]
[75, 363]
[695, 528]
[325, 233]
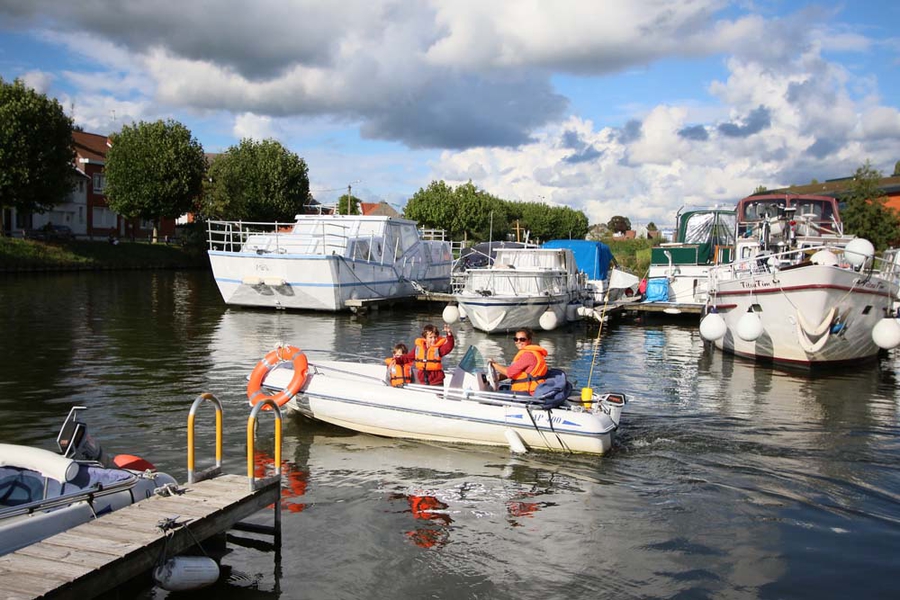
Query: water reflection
[728, 479]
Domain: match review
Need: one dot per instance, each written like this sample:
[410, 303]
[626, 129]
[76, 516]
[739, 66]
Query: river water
[728, 480]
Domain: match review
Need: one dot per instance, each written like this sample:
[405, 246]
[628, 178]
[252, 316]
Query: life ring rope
[281, 354]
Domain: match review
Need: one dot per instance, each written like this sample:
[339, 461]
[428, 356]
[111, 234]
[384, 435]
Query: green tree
[348, 205]
[36, 150]
[760, 189]
[569, 223]
[257, 181]
[433, 207]
[651, 226]
[865, 213]
[896, 169]
[619, 224]
[154, 171]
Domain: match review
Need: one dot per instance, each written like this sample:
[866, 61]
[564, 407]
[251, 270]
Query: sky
[621, 107]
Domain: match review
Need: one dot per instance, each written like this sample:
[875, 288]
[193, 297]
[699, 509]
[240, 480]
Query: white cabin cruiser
[470, 408]
[321, 262]
[522, 287]
[679, 270]
[43, 493]
[799, 292]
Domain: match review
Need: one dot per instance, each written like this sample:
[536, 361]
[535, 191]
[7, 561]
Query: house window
[103, 218]
[99, 182]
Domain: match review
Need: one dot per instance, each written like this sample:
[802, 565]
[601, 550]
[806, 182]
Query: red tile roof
[91, 146]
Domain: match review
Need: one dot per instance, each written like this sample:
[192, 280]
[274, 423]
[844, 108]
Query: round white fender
[858, 251]
[548, 320]
[186, 573]
[450, 314]
[713, 327]
[886, 333]
[749, 327]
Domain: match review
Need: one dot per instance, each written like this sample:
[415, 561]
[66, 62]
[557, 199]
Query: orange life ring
[276, 356]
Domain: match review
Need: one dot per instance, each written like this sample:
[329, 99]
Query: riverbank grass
[32, 255]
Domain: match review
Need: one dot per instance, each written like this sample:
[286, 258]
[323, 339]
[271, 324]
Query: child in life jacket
[427, 355]
[399, 374]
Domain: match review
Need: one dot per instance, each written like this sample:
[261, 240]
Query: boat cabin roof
[822, 210]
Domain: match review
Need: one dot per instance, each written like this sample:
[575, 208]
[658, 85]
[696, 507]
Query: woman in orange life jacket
[529, 367]
[399, 375]
[427, 354]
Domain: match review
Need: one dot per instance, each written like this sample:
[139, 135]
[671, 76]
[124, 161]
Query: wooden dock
[663, 308]
[96, 557]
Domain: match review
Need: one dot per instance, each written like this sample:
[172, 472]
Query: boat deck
[96, 557]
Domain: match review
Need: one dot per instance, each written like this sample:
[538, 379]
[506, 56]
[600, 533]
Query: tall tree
[619, 224]
[257, 181]
[896, 169]
[865, 213]
[433, 207]
[36, 150]
[154, 171]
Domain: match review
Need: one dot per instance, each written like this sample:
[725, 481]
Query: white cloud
[39, 81]
[255, 127]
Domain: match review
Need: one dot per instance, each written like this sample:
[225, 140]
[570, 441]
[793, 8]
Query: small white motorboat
[43, 493]
[522, 287]
[471, 408]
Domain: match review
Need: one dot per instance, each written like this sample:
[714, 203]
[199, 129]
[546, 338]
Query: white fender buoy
[713, 327]
[749, 327]
[858, 251]
[450, 314]
[548, 320]
[572, 311]
[824, 257]
[515, 441]
[186, 573]
[886, 333]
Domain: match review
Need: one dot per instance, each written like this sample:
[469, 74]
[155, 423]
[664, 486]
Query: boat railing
[765, 262]
[517, 282]
[323, 238]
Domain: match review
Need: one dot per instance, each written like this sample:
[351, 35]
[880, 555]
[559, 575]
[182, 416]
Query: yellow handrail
[212, 472]
[251, 439]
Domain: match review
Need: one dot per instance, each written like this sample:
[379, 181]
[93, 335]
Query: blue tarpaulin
[591, 257]
[657, 290]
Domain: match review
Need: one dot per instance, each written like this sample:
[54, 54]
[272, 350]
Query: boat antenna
[587, 392]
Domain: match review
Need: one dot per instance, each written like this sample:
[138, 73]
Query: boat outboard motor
[76, 443]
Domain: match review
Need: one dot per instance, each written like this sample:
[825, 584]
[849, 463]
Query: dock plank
[95, 557]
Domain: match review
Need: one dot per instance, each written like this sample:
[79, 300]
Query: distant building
[380, 209]
[85, 210]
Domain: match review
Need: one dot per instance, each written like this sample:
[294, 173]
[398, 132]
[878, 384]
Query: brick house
[85, 209]
[90, 158]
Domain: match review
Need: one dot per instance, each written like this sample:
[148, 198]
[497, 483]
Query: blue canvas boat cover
[591, 257]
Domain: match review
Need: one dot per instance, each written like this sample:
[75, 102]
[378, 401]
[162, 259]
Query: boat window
[713, 228]
[820, 210]
[762, 209]
[472, 361]
[20, 486]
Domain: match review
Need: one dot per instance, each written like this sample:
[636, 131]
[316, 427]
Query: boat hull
[811, 314]
[506, 313]
[312, 282]
[354, 396]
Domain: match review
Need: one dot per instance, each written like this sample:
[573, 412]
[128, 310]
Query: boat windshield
[472, 361]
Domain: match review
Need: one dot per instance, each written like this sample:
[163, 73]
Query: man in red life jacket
[427, 354]
[529, 367]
